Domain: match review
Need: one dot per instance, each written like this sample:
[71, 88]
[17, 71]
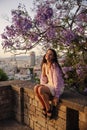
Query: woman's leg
[38, 95]
[45, 94]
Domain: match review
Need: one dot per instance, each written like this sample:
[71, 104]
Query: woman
[51, 82]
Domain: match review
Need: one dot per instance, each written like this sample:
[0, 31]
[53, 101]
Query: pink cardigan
[57, 79]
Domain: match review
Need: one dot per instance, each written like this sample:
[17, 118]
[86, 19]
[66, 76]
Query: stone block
[41, 121]
[83, 117]
[26, 120]
[62, 107]
[62, 114]
[82, 125]
[31, 124]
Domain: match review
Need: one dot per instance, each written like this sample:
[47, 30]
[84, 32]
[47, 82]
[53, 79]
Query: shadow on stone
[10, 124]
[55, 112]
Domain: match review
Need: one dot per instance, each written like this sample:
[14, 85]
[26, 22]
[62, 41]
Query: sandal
[49, 113]
[44, 112]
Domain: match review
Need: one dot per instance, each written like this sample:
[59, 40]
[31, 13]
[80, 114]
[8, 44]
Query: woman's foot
[49, 113]
[44, 112]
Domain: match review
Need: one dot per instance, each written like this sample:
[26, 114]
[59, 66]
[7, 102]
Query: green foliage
[3, 75]
[37, 80]
[72, 78]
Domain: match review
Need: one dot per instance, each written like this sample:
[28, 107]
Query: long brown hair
[55, 60]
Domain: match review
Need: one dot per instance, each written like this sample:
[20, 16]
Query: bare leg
[44, 93]
[38, 95]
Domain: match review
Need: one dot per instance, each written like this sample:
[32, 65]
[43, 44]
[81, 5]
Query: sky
[5, 12]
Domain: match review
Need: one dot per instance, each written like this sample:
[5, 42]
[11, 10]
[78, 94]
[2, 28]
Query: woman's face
[49, 55]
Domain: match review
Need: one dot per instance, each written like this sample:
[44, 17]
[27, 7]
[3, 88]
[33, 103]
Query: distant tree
[3, 75]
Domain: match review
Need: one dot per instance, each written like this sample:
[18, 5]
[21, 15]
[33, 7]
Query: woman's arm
[58, 81]
[43, 70]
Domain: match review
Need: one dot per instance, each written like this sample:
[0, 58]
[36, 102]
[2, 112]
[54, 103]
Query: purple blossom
[50, 33]
[4, 36]
[21, 21]
[7, 44]
[79, 30]
[52, 1]
[67, 69]
[82, 17]
[48, 12]
[43, 14]
[10, 31]
[68, 35]
[58, 6]
[81, 71]
[33, 37]
[27, 24]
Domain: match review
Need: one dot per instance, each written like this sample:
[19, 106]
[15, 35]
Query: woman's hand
[55, 101]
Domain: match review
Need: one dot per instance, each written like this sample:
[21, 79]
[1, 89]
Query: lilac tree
[61, 24]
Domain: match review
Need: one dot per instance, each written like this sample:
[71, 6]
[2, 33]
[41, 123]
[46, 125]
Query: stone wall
[5, 102]
[17, 100]
[35, 119]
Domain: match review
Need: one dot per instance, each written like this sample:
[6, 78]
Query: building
[32, 59]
